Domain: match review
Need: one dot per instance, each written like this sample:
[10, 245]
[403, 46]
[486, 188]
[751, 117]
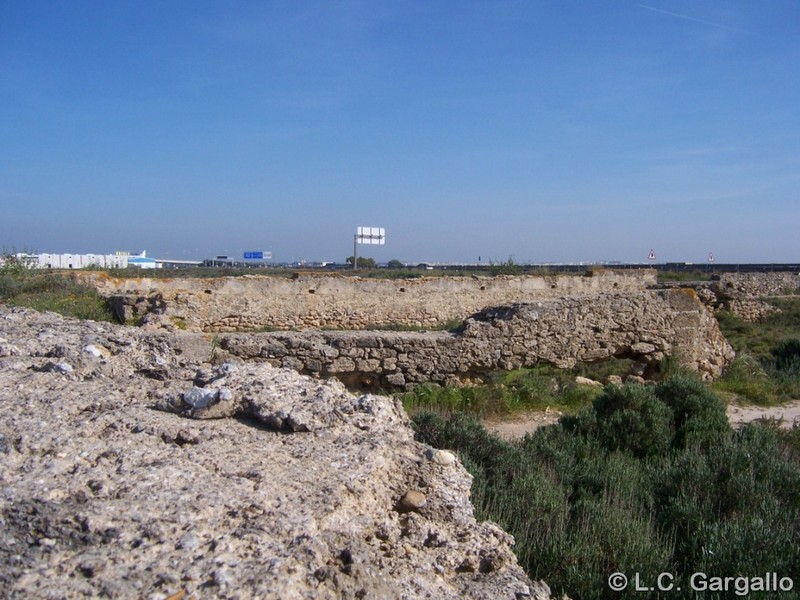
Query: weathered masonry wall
[756, 285]
[338, 302]
[744, 294]
[644, 325]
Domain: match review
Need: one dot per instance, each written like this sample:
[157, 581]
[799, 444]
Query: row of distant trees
[369, 263]
[508, 267]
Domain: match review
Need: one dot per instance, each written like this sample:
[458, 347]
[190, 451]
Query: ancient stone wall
[744, 294]
[341, 302]
[756, 285]
[644, 325]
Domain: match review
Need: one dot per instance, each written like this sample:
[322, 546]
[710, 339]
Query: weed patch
[767, 367]
[530, 388]
[46, 291]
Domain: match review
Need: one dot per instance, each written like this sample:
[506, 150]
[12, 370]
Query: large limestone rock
[131, 469]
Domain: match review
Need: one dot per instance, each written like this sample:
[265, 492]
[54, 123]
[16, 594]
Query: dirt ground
[528, 422]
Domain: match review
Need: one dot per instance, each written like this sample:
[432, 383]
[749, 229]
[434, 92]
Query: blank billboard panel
[371, 235]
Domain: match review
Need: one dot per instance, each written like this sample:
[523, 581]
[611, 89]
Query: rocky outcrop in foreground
[131, 469]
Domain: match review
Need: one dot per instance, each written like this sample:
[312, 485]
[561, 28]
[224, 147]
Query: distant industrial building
[118, 260]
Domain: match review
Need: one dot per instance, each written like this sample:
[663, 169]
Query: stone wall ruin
[253, 303]
[330, 326]
[646, 326]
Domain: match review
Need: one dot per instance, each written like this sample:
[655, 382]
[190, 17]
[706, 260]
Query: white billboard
[371, 235]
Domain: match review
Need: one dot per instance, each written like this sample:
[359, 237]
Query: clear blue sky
[558, 130]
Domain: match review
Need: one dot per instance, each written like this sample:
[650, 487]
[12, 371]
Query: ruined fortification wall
[339, 302]
[644, 325]
[509, 322]
[744, 294]
[756, 285]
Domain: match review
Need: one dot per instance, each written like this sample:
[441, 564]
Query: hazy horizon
[542, 131]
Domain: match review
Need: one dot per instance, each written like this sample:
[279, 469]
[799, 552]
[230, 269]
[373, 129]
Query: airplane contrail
[688, 18]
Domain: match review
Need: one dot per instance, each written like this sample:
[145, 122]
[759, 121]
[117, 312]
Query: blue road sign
[254, 256]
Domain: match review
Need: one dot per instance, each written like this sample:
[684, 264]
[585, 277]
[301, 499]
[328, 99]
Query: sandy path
[528, 422]
[789, 412]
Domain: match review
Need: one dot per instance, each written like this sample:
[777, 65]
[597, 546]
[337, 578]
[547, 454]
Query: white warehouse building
[119, 260]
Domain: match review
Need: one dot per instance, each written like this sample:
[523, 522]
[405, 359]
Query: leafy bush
[507, 267]
[698, 416]
[647, 480]
[629, 418]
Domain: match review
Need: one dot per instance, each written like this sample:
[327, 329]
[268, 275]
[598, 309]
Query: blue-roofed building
[142, 262]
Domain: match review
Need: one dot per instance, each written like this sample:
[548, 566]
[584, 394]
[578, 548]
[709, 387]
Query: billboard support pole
[355, 251]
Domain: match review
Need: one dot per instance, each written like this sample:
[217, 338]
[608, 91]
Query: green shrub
[649, 420]
[507, 267]
[733, 508]
[480, 400]
[673, 366]
[534, 388]
[698, 416]
[629, 418]
[645, 480]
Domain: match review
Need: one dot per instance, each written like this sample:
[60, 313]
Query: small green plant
[747, 379]
[215, 341]
[507, 267]
[786, 356]
[451, 325]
